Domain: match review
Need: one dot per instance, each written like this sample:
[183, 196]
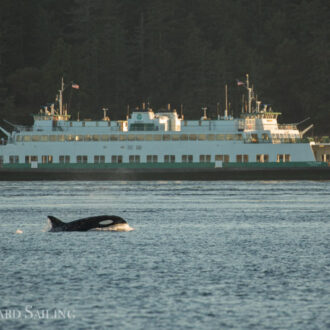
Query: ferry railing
[275, 141]
[287, 126]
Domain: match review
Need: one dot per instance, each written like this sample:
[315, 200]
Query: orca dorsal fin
[55, 222]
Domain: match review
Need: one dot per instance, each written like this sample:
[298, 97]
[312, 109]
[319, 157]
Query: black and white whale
[101, 222]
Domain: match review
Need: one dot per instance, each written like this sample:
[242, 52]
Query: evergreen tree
[175, 51]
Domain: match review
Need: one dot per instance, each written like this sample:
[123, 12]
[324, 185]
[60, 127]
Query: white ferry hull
[162, 142]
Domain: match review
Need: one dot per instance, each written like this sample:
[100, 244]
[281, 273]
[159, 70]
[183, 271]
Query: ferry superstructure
[149, 140]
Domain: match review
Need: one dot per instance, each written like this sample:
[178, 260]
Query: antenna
[218, 110]
[205, 115]
[61, 97]
[250, 93]
[226, 96]
[258, 106]
[243, 103]
[105, 117]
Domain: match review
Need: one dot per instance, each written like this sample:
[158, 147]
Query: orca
[101, 222]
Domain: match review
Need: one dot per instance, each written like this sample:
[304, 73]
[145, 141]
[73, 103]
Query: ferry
[149, 144]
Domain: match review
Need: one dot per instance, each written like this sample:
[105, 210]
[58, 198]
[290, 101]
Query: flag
[75, 86]
[240, 83]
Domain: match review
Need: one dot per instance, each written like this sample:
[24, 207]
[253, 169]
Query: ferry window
[64, 159]
[201, 137]
[166, 137]
[157, 137]
[325, 157]
[122, 137]
[239, 158]
[169, 159]
[117, 159]
[219, 158]
[152, 158]
[187, 158]
[142, 127]
[134, 159]
[238, 137]
[26, 138]
[220, 137]
[131, 137]
[262, 158]
[18, 138]
[35, 138]
[175, 137]
[29, 159]
[70, 123]
[46, 159]
[280, 158]
[254, 138]
[140, 137]
[99, 159]
[105, 137]
[82, 159]
[44, 138]
[88, 138]
[226, 158]
[246, 158]
[192, 137]
[148, 137]
[287, 158]
[204, 158]
[13, 159]
[184, 137]
[265, 137]
[210, 137]
[229, 137]
[96, 137]
[61, 138]
[52, 138]
[69, 137]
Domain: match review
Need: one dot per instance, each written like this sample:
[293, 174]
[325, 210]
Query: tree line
[180, 52]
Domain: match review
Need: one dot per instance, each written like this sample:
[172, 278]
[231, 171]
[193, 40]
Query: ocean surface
[203, 255]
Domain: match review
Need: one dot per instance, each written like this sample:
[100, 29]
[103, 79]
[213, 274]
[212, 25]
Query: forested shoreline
[182, 52]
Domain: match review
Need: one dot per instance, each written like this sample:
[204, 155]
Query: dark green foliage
[126, 52]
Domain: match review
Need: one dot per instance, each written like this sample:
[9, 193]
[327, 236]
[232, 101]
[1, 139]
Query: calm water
[207, 255]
